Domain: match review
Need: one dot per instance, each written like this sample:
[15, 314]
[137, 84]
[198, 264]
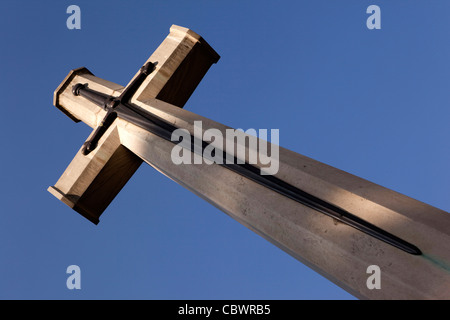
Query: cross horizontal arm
[180, 62]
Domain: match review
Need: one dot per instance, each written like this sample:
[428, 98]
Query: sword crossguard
[109, 103]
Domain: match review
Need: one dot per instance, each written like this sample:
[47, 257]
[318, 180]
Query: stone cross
[371, 241]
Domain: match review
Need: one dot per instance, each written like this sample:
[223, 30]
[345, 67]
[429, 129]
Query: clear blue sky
[374, 103]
